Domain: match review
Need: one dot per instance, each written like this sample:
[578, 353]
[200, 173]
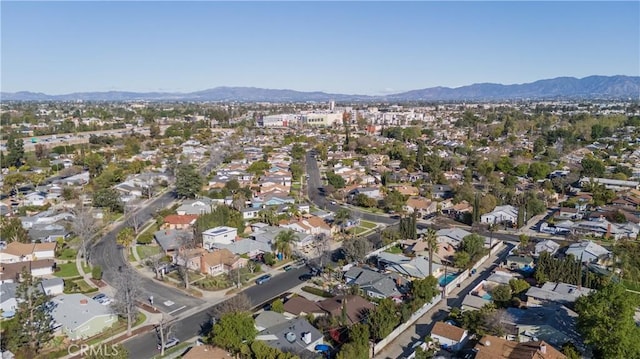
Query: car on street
[287, 268]
[263, 279]
[305, 277]
[172, 342]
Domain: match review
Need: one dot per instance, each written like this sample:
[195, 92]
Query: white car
[102, 299]
[172, 342]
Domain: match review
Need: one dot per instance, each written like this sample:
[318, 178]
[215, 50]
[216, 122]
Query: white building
[501, 214]
[321, 119]
[219, 235]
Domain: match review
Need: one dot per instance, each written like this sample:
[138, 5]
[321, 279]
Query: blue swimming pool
[446, 279]
[487, 296]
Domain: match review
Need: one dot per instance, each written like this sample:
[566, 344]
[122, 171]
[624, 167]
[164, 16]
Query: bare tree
[156, 262]
[251, 266]
[185, 248]
[127, 288]
[85, 226]
[321, 247]
[237, 303]
[134, 221]
[164, 329]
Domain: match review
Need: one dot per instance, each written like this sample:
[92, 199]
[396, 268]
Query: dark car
[305, 277]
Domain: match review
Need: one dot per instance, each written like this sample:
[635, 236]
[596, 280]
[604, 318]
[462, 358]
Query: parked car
[263, 279]
[305, 277]
[287, 268]
[102, 299]
[172, 342]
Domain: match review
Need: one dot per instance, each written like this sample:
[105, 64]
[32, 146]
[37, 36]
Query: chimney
[608, 230]
[306, 337]
[543, 348]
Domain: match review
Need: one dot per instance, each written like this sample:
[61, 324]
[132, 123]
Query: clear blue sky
[355, 47]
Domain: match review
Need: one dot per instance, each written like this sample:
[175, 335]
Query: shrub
[96, 273]
[145, 238]
[269, 259]
[317, 291]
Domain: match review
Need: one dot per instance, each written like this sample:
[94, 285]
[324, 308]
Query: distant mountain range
[592, 87]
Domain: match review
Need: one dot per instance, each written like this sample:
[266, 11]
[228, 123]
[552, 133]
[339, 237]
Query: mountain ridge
[591, 87]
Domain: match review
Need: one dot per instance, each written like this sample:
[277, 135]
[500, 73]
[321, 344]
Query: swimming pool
[487, 296]
[444, 280]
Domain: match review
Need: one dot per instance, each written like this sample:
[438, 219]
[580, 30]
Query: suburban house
[269, 318]
[79, 316]
[250, 213]
[501, 214]
[308, 224]
[8, 302]
[294, 336]
[248, 247]
[10, 272]
[612, 184]
[52, 286]
[562, 293]
[375, 284]
[196, 207]
[519, 262]
[449, 336]
[171, 239]
[548, 246]
[453, 236]
[21, 252]
[220, 262]
[300, 306]
[416, 267]
[355, 307]
[48, 233]
[441, 191]
[218, 235]
[175, 221]
[371, 192]
[589, 252]
[491, 347]
[420, 205]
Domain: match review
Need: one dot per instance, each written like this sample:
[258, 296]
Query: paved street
[402, 345]
[189, 326]
[110, 257]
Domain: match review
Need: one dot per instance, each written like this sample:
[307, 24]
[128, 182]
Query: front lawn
[147, 251]
[67, 270]
[394, 250]
[367, 224]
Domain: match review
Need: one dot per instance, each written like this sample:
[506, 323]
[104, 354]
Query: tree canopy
[188, 182]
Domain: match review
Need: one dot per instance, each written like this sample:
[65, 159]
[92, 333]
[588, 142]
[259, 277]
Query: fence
[458, 279]
[380, 250]
[402, 327]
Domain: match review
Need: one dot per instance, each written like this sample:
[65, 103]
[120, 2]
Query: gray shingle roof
[73, 310]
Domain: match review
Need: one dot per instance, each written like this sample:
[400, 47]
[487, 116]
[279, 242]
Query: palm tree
[431, 239]
[283, 242]
[341, 217]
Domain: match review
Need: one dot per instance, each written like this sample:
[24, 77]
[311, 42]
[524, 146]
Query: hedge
[317, 291]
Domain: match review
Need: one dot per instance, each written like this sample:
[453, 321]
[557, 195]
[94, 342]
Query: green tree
[501, 294]
[11, 230]
[233, 331]
[297, 170]
[33, 318]
[461, 259]
[571, 351]
[592, 167]
[394, 201]
[125, 237]
[108, 198]
[473, 244]
[356, 249]
[15, 148]
[383, 319]
[342, 216]
[362, 200]
[260, 350]
[297, 151]
[277, 306]
[424, 289]
[518, 285]
[335, 180]
[188, 182]
[539, 170]
[154, 130]
[606, 322]
[258, 167]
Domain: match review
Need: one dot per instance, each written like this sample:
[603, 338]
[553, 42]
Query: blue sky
[354, 47]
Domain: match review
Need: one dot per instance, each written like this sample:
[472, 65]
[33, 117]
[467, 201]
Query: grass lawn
[394, 250]
[86, 268]
[358, 230]
[147, 251]
[67, 270]
[83, 285]
[131, 257]
[295, 185]
[367, 224]
[631, 285]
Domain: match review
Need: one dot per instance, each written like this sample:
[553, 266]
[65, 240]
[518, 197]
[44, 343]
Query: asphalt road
[314, 183]
[109, 256]
[145, 345]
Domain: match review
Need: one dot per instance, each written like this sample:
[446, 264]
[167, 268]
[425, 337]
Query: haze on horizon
[369, 48]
